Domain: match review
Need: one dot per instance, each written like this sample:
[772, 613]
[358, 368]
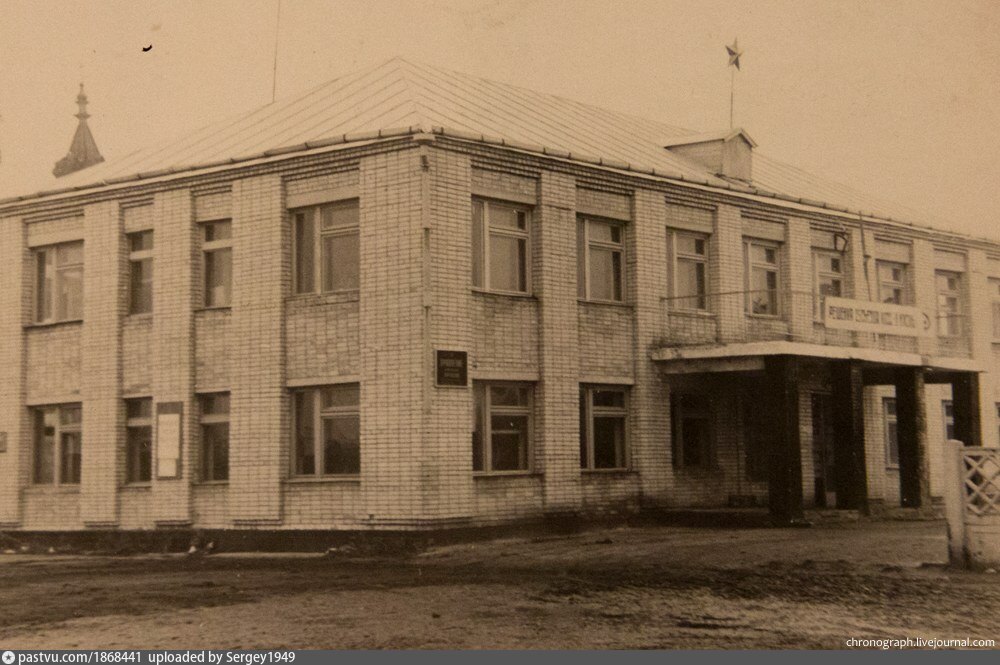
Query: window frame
[136, 424]
[140, 258]
[589, 412]
[206, 420]
[819, 274]
[749, 265]
[890, 419]
[49, 297]
[318, 413]
[484, 230]
[58, 450]
[952, 320]
[585, 244]
[676, 257]
[213, 247]
[314, 214]
[483, 412]
[903, 284]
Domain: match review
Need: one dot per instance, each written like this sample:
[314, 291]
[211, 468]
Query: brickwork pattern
[15, 303]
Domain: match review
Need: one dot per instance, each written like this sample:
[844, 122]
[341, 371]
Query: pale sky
[897, 98]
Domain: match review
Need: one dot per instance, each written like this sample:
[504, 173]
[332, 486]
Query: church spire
[83, 150]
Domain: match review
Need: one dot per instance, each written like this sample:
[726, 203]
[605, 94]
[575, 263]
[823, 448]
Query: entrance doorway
[823, 451]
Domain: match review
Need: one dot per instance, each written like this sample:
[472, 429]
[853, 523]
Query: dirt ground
[641, 587]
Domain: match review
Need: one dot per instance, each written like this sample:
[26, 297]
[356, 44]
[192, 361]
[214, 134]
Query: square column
[965, 402]
[914, 470]
[781, 402]
[15, 459]
[849, 434]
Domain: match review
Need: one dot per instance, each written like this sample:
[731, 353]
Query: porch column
[914, 471]
[849, 435]
[965, 405]
[781, 404]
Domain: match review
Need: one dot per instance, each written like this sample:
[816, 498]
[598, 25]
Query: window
[59, 283]
[690, 271]
[57, 444]
[891, 432]
[762, 285]
[691, 425]
[600, 260]
[829, 276]
[949, 303]
[501, 436]
[327, 247]
[892, 283]
[138, 440]
[500, 252]
[995, 302]
[327, 431]
[140, 271]
[214, 420]
[948, 413]
[217, 262]
[603, 410]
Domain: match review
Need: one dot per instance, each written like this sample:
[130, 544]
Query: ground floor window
[948, 413]
[327, 430]
[691, 426]
[214, 421]
[891, 432]
[57, 443]
[138, 440]
[603, 440]
[501, 435]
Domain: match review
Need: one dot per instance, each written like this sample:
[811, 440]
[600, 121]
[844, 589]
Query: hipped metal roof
[401, 96]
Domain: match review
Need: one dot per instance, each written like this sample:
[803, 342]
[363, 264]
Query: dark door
[823, 463]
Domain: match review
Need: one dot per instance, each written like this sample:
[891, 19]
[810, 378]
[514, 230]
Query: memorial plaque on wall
[451, 368]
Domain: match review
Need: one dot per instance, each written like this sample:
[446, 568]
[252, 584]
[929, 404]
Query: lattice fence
[981, 480]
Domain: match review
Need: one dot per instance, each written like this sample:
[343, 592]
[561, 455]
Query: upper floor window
[949, 303]
[995, 305]
[763, 283]
[691, 425]
[500, 251]
[138, 440]
[217, 262]
[59, 282]
[828, 277]
[603, 426]
[690, 271]
[140, 265]
[501, 437]
[327, 247]
[893, 285]
[58, 441]
[600, 259]
[214, 421]
[327, 431]
[891, 432]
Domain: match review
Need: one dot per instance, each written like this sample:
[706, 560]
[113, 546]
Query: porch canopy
[851, 369]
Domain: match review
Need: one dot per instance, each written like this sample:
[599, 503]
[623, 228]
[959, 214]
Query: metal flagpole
[734, 61]
[732, 95]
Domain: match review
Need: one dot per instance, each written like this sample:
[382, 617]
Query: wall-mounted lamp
[840, 241]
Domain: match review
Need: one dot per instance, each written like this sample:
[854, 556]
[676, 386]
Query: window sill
[692, 313]
[493, 475]
[312, 480]
[503, 294]
[52, 489]
[214, 308]
[52, 324]
[137, 487]
[609, 472]
[777, 318]
[604, 303]
[332, 297]
[211, 483]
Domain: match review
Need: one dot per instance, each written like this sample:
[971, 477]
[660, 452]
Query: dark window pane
[609, 442]
[305, 456]
[478, 454]
[215, 404]
[141, 287]
[341, 449]
[341, 254]
[695, 445]
[43, 285]
[141, 241]
[584, 457]
[346, 395]
[70, 469]
[510, 442]
[506, 263]
[138, 454]
[609, 398]
[477, 243]
[218, 231]
[45, 446]
[215, 451]
[304, 253]
[69, 296]
[139, 408]
[508, 395]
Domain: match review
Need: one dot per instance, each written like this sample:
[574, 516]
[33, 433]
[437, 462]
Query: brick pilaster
[15, 300]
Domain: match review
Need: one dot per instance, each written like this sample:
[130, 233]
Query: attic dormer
[728, 154]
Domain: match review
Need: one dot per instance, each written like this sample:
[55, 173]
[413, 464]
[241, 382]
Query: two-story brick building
[412, 298]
